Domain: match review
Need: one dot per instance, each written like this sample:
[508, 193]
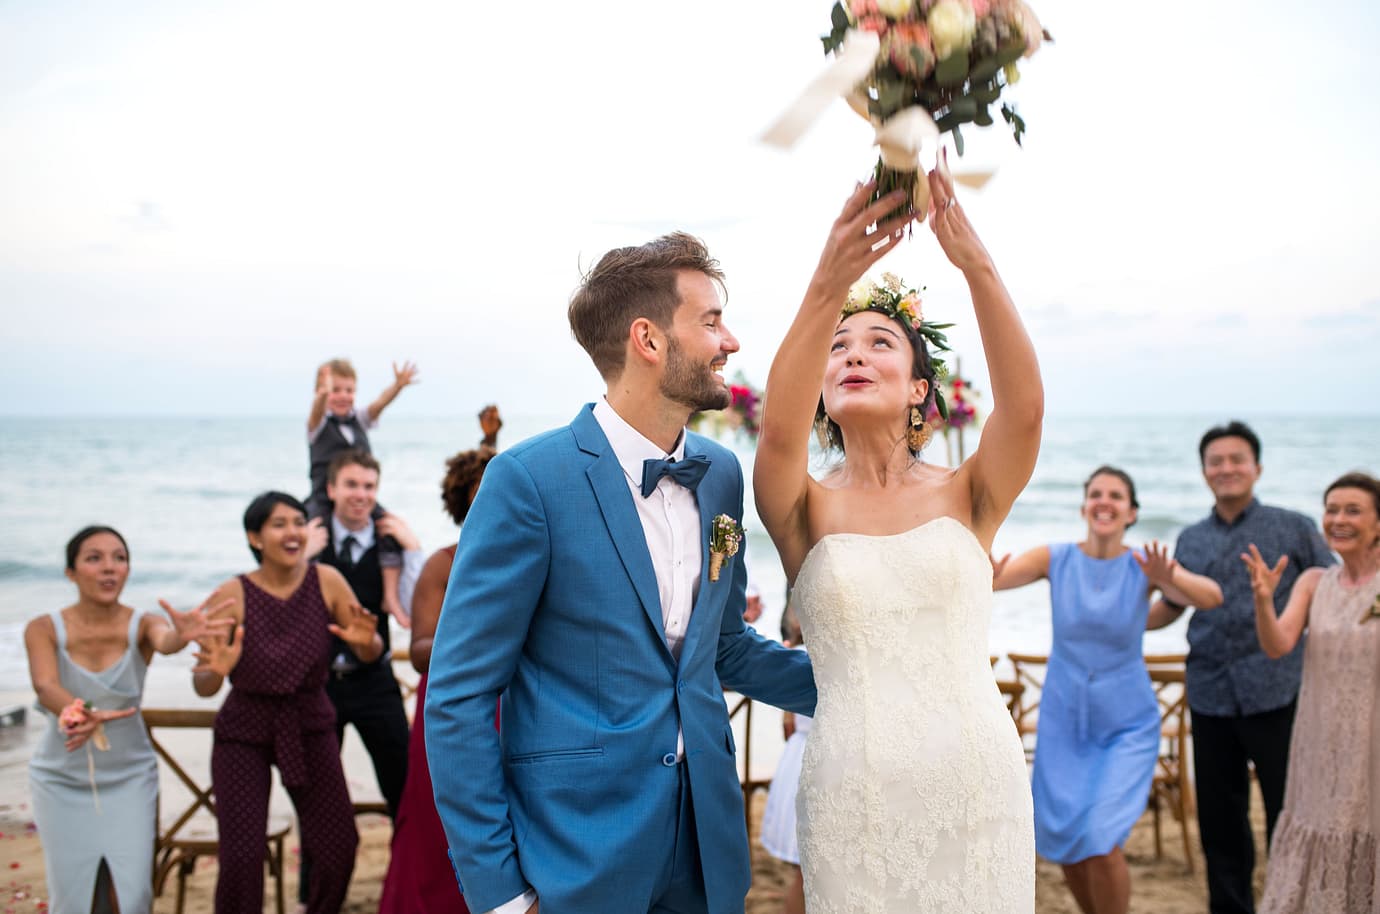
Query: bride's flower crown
[892, 298]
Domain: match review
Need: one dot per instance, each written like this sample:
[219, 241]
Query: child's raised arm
[402, 377]
[318, 400]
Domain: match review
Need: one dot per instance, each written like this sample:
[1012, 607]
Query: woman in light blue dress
[95, 809]
[1099, 726]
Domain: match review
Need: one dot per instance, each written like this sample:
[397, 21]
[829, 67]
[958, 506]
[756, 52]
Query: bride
[913, 793]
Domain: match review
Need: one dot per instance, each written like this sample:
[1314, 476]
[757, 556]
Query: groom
[581, 594]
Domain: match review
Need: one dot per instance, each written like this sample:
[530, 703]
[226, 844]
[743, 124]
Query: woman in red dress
[420, 878]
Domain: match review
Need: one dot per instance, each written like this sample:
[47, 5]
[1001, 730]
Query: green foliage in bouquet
[953, 58]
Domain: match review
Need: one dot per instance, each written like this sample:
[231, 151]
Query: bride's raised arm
[780, 474]
[1005, 457]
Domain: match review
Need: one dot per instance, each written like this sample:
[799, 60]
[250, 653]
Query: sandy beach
[1157, 885]
[1163, 885]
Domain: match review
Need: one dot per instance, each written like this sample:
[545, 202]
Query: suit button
[680, 686]
[669, 759]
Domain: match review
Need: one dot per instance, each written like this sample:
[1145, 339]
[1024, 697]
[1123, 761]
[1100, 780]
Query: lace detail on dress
[914, 794]
[1324, 853]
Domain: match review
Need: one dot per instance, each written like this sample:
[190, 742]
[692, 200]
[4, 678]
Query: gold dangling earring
[919, 433]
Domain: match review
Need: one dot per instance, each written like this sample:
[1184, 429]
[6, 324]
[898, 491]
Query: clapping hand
[1157, 565]
[323, 381]
[218, 653]
[405, 375]
[203, 622]
[1264, 579]
[359, 629]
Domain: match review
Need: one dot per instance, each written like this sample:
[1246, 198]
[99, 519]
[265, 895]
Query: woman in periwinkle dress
[1099, 727]
[1325, 856]
[914, 796]
[97, 828]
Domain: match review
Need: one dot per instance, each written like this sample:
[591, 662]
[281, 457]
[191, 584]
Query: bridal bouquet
[920, 68]
[74, 715]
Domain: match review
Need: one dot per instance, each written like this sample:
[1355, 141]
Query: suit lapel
[711, 503]
[610, 486]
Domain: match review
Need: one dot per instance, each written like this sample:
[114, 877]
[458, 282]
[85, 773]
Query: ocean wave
[11, 570]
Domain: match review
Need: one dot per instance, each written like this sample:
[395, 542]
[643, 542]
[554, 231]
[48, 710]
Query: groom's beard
[696, 387]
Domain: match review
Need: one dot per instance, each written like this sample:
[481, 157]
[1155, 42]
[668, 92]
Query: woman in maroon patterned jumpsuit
[277, 711]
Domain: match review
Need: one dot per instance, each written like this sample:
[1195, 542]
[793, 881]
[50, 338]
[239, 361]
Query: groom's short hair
[630, 283]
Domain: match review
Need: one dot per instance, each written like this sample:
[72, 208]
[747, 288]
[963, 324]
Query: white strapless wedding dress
[914, 795]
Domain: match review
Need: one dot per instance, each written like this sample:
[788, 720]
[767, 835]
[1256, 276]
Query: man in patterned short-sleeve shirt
[1242, 701]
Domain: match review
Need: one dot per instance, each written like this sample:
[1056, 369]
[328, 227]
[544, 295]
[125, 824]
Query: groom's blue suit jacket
[553, 605]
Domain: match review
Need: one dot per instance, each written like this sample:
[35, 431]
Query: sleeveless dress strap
[132, 646]
[59, 629]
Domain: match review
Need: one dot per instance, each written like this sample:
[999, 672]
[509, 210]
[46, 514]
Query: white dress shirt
[670, 520]
[671, 523]
[412, 559]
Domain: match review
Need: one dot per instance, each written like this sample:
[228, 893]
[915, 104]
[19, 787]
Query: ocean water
[177, 487]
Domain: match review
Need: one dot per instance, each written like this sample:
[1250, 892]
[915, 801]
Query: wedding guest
[333, 426]
[96, 812]
[1098, 736]
[1242, 701]
[366, 695]
[419, 876]
[1326, 851]
[277, 712]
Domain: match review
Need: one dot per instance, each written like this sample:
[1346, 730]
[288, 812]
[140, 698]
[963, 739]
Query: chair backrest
[1011, 690]
[156, 719]
[1030, 673]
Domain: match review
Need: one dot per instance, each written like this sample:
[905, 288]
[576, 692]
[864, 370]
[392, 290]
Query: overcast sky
[200, 202]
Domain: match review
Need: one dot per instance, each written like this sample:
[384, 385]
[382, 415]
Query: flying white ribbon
[900, 137]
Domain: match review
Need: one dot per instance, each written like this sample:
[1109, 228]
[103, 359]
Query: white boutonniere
[725, 537]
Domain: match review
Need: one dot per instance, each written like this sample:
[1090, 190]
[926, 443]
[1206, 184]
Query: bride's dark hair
[922, 369]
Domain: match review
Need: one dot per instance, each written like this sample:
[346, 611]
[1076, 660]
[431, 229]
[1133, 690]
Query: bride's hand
[950, 224]
[849, 252]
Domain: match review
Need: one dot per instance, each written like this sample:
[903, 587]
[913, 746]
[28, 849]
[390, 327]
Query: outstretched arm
[1005, 456]
[318, 398]
[495, 585]
[754, 666]
[1026, 568]
[350, 622]
[781, 467]
[168, 636]
[1176, 582]
[1279, 634]
[402, 377]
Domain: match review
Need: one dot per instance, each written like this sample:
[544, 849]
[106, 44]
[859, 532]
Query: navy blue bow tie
[687, 472]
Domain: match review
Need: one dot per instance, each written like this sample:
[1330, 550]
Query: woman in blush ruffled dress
[95, 810]
[1099, 728]
[1325, 856]
[419, 876]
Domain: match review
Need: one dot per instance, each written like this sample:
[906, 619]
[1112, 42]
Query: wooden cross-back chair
[1011, 692]
[1172, 786]
[1030, 673]
[749, 784]
[191, 834]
